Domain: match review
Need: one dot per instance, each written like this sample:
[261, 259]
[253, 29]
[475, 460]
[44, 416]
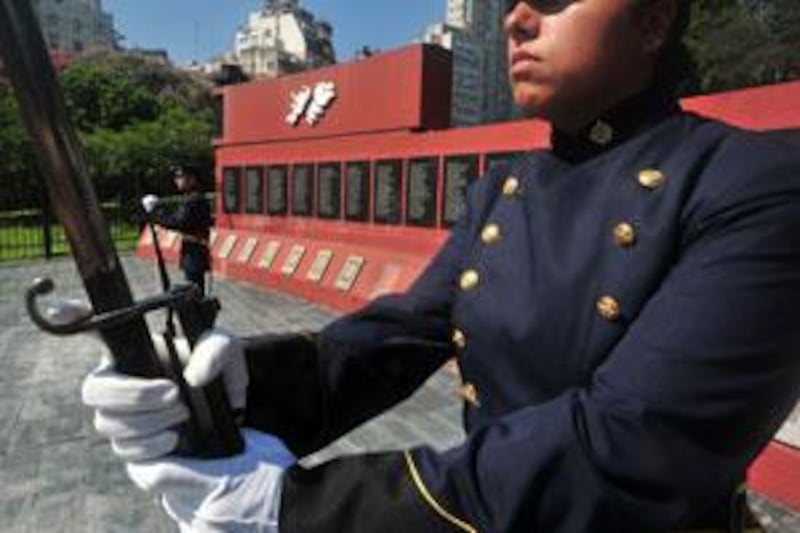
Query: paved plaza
[56, 475]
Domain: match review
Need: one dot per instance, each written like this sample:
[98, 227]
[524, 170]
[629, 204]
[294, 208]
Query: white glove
[149, 202]
[139, 415]
[234, 494]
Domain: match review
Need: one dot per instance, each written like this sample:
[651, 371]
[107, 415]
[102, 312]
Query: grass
[21, 238]
[21, 235]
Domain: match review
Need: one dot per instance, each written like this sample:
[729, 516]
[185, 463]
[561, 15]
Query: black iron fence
[35, 233]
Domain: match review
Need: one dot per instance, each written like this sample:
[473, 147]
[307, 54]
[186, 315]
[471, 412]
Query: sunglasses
[542, 6]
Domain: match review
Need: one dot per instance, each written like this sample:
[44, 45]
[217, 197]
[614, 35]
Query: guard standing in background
[623, 308]
[192, 220]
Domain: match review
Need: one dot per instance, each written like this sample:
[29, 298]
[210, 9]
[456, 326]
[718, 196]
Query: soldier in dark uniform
[192, 219]
[623, 309]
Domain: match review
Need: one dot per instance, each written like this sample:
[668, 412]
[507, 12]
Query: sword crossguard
[95, 321]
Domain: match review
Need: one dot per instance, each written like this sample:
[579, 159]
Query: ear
[655, 19]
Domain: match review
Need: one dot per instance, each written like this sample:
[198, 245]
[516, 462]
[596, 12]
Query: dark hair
[185, 171]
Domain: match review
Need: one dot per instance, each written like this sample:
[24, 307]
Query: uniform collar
[614, 127]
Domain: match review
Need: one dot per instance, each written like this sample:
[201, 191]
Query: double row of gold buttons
[624, 234]
[490, 234]
[607, 306]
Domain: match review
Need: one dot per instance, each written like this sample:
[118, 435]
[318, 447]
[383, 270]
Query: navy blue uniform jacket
[193, 220]
[625, 313]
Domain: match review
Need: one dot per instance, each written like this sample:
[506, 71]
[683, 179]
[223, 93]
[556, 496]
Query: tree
[737, 44]
[137, 119]
[783, 21]
[17, 166]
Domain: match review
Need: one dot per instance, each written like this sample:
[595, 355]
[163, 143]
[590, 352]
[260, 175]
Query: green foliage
[102, 98]
[137, 118]
[145, 152]
[17, 164]
[737, 44]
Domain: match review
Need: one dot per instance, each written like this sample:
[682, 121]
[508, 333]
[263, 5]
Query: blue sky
[199, 29]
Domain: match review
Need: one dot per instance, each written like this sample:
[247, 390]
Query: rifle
[212, 430]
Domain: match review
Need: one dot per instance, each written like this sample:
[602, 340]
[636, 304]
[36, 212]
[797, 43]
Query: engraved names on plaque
[387, 191]
[320, 265]
[293, 260]
[302, 189]
[230, 190]
[357, 191]
[269, 254]
[421, 192]
[227, 247]
[247, 250]
[277, 200]
[459, 172]
[329, 201]
[349, 273]
[254, 190]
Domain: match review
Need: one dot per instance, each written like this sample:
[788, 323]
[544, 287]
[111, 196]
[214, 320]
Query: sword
[212, 430]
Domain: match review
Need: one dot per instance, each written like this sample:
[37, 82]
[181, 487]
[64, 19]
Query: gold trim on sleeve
[423, 490]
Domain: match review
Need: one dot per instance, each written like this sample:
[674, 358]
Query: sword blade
[63, 167]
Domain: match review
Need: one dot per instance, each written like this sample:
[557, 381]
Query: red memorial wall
[338, 185]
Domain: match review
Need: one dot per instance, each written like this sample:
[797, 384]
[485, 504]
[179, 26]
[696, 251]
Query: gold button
[469, 393]
[511, 186]
[459, 339]
[490, 233]
[469, 280]
[624, 234]
[609, 308]
[651, 178]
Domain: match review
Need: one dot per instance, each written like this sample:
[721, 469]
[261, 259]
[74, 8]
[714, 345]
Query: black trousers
[196, 276]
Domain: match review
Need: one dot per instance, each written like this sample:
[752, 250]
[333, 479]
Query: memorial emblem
[311, 103]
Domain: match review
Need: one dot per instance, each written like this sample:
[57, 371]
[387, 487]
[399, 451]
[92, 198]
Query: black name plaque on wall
[276, 190]
[357, 191]
[230, 190]
[459, 172]
[254, 190]
[330, 191]
[302, 189]
[387, 191]
[421, 191]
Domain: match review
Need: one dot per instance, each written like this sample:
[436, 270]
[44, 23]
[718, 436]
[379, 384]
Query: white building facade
[75, 26]
[473, 32]
[282, 38]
